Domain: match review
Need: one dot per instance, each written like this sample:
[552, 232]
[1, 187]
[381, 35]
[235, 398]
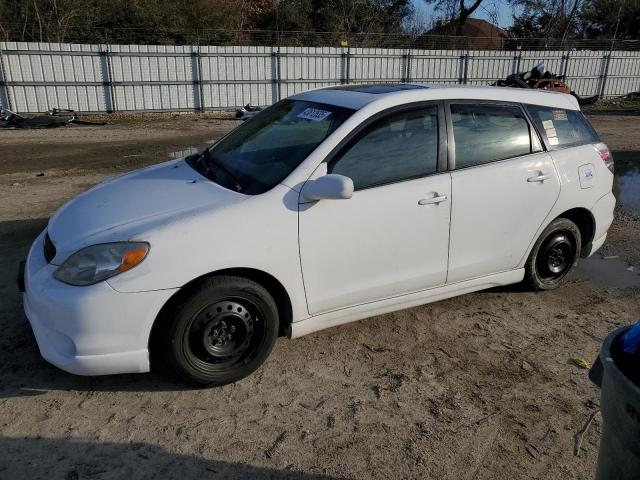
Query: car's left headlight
[98, 262]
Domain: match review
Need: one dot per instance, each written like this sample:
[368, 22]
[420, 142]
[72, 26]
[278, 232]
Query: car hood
[129, 203]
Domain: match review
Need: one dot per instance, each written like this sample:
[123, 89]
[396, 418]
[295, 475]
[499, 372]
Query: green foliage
[193, 21]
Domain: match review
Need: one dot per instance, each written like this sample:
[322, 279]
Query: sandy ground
[477, 387]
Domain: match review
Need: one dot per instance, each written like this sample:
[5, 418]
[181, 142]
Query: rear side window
[562, 128]
[398, 147]
[487, 133]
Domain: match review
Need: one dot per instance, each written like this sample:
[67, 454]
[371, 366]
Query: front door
[392, 236]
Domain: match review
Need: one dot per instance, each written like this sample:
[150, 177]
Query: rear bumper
[91, 330]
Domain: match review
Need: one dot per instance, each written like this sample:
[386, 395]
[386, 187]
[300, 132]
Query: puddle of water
[626, 185]
[607, 272]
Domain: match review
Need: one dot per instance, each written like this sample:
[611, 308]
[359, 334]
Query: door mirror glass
[329, 187]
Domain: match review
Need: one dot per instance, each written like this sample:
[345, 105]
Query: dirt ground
[476, 387]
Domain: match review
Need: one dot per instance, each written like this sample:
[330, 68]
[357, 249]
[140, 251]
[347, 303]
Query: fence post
[407, 67]
[196, 60]
[603, 83]
[565, 67]
[464, 68]
[279, 73]
[3, 83]
[107, 83]
[516, 62]
[346, 60]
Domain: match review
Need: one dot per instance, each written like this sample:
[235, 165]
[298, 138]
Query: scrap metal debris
[542, 79]
[55, 117]
[247, 111]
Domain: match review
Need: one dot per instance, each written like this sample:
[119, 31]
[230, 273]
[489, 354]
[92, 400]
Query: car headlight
[98, 262]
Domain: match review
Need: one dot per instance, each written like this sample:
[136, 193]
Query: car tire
[221, 331]
[554, 255]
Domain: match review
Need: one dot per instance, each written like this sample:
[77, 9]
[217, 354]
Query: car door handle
[432, 200]
[538, 178]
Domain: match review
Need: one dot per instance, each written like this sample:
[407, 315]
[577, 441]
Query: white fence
[35, 77]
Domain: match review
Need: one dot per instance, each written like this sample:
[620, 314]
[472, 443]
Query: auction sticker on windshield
[314, 114]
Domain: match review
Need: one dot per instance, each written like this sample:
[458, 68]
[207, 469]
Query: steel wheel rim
[556, 256]
[224, 335]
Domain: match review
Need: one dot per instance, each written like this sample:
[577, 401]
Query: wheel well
[273, 286]
[585, 222]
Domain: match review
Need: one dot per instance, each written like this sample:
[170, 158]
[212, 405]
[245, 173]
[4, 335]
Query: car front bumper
[92, 330]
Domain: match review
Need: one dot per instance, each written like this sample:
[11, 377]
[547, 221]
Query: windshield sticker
[559, 115]
[547, 124]
[314, 114]
[551, 132]
[553, 141]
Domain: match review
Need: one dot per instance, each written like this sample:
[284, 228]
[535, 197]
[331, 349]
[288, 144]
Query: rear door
[503, 186]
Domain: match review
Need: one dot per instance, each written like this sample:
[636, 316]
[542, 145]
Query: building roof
[477, 33]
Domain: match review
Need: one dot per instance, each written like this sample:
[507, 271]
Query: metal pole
[406, 77]
[278, 73]
[197, 80]
[109, 81]
[565, 67]
[466, 67]
[348, 65]
[613, 41]
[3, 82]
[603, 84]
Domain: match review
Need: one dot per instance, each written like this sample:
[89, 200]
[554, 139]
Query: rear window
[562, 128]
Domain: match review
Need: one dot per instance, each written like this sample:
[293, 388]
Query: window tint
[486, 133]
[398, 147]
[562, 128]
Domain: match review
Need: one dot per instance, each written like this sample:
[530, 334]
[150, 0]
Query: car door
[503, 187]
[392, 236]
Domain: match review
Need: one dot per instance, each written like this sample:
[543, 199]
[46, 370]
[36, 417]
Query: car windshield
[261, 152]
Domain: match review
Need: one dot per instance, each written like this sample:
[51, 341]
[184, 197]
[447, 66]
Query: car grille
[49, 248]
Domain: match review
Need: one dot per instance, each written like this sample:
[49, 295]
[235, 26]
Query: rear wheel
[222, 331]
[554, 255]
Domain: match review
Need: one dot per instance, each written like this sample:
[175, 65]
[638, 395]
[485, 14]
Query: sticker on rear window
[559, 115]
[314, 114]
[553, 141]
[547, 124]
[551, 132]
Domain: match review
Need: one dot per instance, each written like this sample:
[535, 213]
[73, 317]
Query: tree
[547, 19]
[604, 18]
[455, 11]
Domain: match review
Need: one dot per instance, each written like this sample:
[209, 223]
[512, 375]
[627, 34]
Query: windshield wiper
[206, 155]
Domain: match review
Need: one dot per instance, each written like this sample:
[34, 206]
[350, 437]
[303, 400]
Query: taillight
[605, 154]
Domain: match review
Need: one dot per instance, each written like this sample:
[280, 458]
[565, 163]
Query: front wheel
[554, 255]
[221, 332]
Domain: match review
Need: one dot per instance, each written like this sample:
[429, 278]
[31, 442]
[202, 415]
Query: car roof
[356, 96]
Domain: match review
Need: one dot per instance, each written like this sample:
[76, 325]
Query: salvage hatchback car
[330, 206]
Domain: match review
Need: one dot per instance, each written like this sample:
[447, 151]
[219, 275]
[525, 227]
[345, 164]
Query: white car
[330, 206]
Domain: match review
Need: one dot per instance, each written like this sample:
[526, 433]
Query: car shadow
[58, 458]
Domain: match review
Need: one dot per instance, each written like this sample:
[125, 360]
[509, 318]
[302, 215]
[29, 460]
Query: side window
[398, 147]
[562, 128]
[486, 133]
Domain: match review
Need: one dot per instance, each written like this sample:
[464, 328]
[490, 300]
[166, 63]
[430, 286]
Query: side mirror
[331, 186]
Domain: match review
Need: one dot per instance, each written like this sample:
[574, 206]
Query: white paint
[369, 252]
